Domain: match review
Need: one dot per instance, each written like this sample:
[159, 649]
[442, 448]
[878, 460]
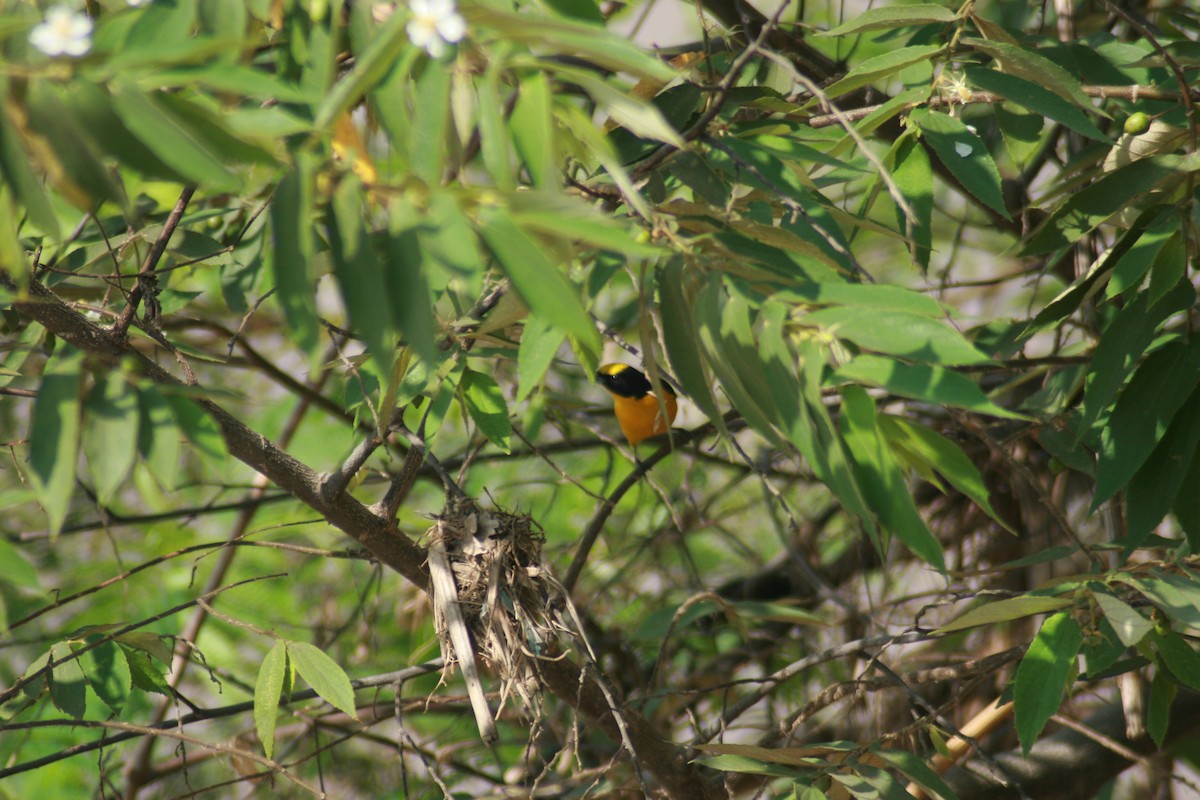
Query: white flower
[434, 24]
[63, 33]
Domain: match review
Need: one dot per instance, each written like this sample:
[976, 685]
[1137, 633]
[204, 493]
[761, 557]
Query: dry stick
[446, 604]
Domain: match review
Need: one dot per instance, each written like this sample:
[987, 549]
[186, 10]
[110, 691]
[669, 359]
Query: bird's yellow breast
[642, 417]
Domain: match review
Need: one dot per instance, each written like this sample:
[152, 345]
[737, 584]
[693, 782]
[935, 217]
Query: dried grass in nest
[507, 599]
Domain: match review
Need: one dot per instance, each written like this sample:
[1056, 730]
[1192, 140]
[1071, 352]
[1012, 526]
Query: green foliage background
[922, 276]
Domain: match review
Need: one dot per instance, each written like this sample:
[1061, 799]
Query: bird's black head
[624, 380]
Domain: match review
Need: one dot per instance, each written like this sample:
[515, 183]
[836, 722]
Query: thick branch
[375, 533]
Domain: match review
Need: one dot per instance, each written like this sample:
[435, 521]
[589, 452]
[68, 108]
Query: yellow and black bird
[638, 410]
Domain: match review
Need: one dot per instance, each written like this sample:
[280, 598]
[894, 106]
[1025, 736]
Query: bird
[638, 409]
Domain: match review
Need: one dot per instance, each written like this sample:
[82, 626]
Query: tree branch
[377, 534]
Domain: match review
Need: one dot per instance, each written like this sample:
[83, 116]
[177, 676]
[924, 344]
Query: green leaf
[574, 39]
[324, 675]
[813, 431]
[1044, 673]
[1180, 658]
[679, 336]
[1187, 504]
[17, 570]
[1102, 650]
[1004, 610]
[598, 148]
[724, 356]
[870, 782]
[108, 674]
[539, 343]
[359, 274]
[1178, 598]
[914, 177]
[167, 136]
[639, 117]
[743, 764]
[942, 455]
[882, 66]
[68, 684]
[495, 140]
[54, 435]
[199, 428]
[16, 171]
[267, 690]
[144, 674]
[891, 17]
[1154, 487]
[93, 105]
[882, 483]
[897, 333]
[864, 295]
[370, 67]
[1169, 266]
[158, 436]
[1122, 344]
[561, 217]
[223, 18]
[110, 434]
[927, 382]
[158, 645]
[12, 252]
[1158, 710]
[540, 283]
[916, 769]
[1143, 413]
[581, 10]
[1035, 68]
[1034, 96]
[1120, 189]
[406, 279]
[293, 245]
[430, 127]
[1129, 625]
[486, 404]
[695, 173]
[816, 233]
[73, 163]
[532, 126]
[1141, 255]
[965, 155]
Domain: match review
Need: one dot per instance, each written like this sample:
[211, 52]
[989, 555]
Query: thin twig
[146, 274]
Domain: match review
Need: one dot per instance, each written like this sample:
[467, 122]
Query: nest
[494, 598]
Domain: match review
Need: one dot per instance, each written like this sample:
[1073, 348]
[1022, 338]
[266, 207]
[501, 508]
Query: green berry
[1136, 123]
